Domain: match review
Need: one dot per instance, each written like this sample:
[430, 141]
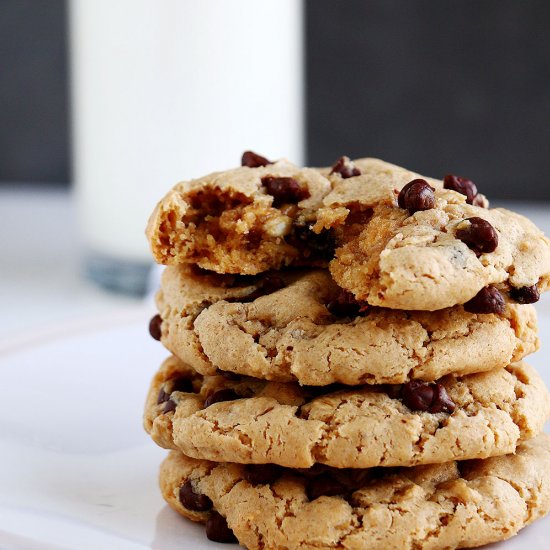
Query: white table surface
[96, 485]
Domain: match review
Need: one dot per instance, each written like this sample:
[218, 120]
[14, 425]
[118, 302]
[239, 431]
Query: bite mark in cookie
[238, 221]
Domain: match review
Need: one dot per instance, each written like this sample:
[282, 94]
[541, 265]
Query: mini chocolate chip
[219, 396]
[218, 530]
[433, 398]
[345, 167]
[487, 300]
[461, 185]
[262, 474]
[417, 195]
[155, 325]
[253, 160]
[183, 384]
[392, 390]
[345, 305]
[525, 294]
[313, 245]
[194, 501]
[325, 485]
[478, 234]
[441, 401]
[169, 407]
[418, 396]
[284, 190]
[163, 396]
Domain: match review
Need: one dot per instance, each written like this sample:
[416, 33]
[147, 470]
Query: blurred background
[105, 104]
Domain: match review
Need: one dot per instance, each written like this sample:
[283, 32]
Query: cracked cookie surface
[451, 505]
[247, 420]
[292, 335]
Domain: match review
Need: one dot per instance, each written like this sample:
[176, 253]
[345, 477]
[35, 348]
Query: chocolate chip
[345, 305]
[169, 407]
[262, 474]
[219, 396]
[525, 294]
[325, 485]
[163, 396]
[416, 195]
[418, 396]
[487, 300]
[433, 398]
[253, 160]
[218, 530]
[284, 190]
[441, 401]
[392, 390]
[192, 500]
[155, 325]
[345, 167]
[478, 234]
[312, 245]
[461, 185]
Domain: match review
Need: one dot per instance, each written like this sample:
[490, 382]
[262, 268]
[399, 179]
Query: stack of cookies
[347, 358]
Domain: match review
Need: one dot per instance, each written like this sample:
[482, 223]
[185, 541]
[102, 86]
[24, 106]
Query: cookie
[451, 505]
[299, 326]
[245, 220]
[429, 249]
[247, 420]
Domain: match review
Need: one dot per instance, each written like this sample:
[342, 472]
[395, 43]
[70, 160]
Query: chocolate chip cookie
[300, 326]
[451, 505]
[246, 420]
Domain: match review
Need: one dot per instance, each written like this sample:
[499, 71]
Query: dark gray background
[458, 86]
[33, 91]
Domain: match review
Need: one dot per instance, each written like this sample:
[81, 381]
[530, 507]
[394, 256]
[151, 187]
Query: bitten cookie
[246, 220]
[425, 247]
[247, 420]
[300, 326]
[451, 505]
[260, 216]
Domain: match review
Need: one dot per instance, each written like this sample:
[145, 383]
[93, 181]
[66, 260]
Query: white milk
[165, 90]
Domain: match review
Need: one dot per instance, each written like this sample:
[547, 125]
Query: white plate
[76, 469]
